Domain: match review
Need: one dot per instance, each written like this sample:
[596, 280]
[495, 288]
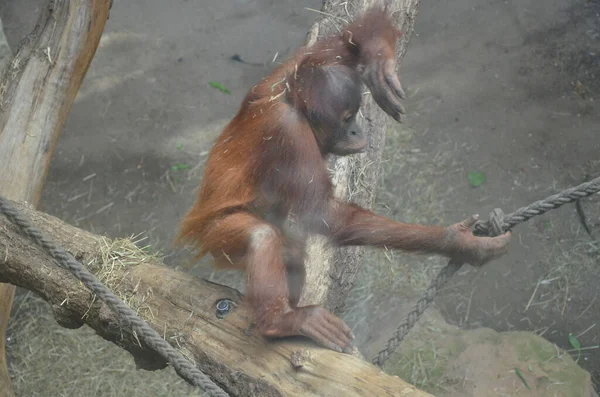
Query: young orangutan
[267, 169]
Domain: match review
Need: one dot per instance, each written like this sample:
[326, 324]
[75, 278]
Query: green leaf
[520, 375]
[219, 87]
[574, 342]
[476, 178]
[178, 167]
[179, 146]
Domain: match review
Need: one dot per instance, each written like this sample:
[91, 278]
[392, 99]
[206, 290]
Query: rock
[449, 362]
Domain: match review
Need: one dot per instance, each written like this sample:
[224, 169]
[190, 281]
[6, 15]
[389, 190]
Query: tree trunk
[36, 93]
[331, 271]
[183, 309]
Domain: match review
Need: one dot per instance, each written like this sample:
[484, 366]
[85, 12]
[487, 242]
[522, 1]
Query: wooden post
[36, 93]
[331, 272]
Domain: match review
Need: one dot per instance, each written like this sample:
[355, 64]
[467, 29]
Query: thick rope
[495, 226]
[182, 366]
[496, 220]
[539, 207]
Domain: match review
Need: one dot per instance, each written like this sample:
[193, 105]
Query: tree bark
[331, 271]
[183, 309]
[36, 93]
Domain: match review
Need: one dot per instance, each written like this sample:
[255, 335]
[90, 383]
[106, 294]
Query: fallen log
[184, 310]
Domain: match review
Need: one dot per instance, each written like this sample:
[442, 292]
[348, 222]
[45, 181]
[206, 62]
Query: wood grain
[36, 93]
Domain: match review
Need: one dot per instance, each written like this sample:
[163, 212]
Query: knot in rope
[496, 223]
[493, 227]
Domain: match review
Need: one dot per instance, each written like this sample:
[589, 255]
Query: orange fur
[268, 167]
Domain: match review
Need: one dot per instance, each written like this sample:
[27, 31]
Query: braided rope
[541, 206]
[495, 226]
[182, 366]
[411, 319]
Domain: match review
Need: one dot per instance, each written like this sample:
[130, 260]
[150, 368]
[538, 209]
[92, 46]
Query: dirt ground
[507, 88]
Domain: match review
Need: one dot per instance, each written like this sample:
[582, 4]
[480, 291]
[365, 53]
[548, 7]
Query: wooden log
[36, 93]
[331, 271]
[183, 309]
